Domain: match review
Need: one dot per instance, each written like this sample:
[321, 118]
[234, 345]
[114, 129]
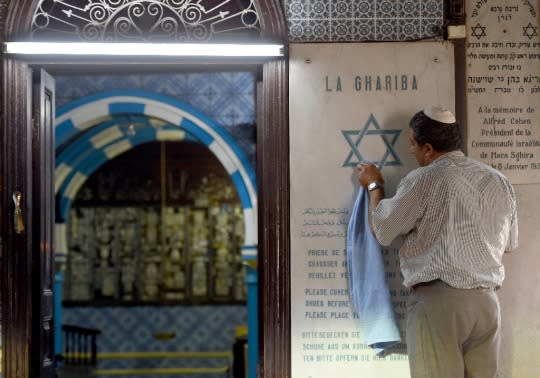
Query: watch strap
[373, 185]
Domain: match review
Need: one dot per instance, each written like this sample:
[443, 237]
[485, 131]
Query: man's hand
[368, 173]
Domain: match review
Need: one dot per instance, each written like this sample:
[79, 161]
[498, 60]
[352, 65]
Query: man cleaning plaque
[457, 217]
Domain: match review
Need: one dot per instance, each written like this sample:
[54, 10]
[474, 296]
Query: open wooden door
[27, 194]
[43, 109]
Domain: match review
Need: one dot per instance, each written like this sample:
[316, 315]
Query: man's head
[434, 131]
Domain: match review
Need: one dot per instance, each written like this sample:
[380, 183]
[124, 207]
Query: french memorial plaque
[503, 87]
[349, 103]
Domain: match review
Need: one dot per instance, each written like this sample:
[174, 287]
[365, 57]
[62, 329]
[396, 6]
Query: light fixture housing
[89, 49]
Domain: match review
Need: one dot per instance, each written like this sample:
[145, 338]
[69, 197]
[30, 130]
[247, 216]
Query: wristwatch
[374, 185]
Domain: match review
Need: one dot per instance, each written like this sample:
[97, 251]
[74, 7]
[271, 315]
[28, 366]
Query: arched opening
[107, 141]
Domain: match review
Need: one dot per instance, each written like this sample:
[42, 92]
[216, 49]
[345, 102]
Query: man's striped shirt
[457, 216]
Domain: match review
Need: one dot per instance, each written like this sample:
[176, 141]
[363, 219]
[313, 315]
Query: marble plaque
[348, 103]
[503, 87]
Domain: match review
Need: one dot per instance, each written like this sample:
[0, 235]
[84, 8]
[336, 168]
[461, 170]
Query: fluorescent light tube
[144, 49]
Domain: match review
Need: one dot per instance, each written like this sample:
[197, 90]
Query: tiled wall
[363, 20]
[132, 329]
[226, 97]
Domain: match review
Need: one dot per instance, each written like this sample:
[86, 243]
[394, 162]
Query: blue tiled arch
[87, 135]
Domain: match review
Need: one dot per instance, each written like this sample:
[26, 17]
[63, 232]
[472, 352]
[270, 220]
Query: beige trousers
[453, 333]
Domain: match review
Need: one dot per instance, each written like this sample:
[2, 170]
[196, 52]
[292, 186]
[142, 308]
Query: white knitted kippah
[440, 114]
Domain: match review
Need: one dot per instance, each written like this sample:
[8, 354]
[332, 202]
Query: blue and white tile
[338, 20]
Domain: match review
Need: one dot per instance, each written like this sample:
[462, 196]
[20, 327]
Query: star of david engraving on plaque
[372, 129]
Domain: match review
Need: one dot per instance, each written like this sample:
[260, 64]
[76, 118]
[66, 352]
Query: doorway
[154, 157]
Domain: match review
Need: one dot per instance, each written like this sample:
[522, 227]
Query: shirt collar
[450, 154]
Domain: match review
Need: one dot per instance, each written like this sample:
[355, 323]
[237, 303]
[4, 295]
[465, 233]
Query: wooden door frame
[16, 263]
[272, 181]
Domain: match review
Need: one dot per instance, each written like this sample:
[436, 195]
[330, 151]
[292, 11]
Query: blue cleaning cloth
[367, 280]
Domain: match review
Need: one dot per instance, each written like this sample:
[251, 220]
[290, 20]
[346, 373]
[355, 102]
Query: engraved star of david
[389, 138]
[530, 31]
[478, 31]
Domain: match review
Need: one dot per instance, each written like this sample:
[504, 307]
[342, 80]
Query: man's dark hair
[443, 137]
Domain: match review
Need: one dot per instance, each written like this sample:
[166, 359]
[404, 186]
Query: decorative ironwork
[145, 20]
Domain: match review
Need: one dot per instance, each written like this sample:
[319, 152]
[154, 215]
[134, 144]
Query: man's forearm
[375, 196]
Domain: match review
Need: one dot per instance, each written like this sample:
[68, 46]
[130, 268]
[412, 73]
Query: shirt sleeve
[398, 215]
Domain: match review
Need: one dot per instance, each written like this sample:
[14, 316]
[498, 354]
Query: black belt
[428, 283]
[441, 282]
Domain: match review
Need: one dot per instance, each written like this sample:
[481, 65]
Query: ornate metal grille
[145, 20]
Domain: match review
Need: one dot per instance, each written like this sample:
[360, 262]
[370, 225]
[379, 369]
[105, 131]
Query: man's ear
[429, 150]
